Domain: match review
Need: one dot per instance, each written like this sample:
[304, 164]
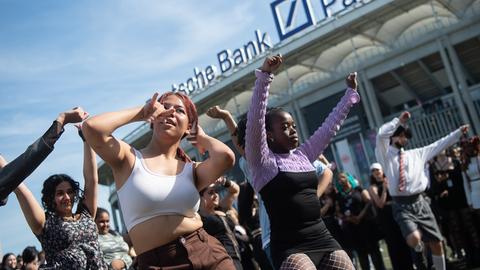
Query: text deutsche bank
[227, 61]
[290, 16]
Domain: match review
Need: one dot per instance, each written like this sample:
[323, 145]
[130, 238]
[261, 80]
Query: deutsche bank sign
[293, 16]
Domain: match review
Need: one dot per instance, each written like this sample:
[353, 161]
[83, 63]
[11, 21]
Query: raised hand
[272, 63]
[351, 80]
[465, 129]
[154, 109]
[217, 113]
[404, 117]
[74, 115]
[220, 181]
[195, 136]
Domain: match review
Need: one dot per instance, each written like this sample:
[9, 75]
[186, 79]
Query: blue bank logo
[291, 16]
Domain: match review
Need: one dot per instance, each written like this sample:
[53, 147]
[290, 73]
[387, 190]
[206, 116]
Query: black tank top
[294, 210]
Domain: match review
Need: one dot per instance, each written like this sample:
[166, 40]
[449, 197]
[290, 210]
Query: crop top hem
[144, 219]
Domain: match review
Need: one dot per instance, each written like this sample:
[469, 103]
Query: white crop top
[146, 194]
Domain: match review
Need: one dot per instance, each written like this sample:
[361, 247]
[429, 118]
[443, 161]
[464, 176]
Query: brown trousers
[197, 250]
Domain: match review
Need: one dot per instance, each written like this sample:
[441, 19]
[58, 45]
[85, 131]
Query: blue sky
[103, 56]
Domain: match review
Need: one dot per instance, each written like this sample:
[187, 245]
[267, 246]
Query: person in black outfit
[13, 173]
[448, 192]
[216, 219]
[328, 203]
[356, 213]
[398, 249]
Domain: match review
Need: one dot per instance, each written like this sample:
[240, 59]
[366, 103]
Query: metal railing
[430, 127]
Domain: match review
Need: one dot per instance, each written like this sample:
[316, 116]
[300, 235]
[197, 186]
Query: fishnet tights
[336, 260]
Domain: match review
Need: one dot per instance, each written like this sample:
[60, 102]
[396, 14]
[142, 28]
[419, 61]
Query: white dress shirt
[414, 159]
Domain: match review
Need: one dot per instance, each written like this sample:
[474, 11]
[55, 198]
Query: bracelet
[227, 183]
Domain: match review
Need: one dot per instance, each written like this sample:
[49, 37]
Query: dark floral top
[71, 244]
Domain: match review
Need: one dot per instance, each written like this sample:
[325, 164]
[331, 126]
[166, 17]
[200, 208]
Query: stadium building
[416, 55]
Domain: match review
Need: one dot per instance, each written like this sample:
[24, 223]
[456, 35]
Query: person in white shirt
[407, 180]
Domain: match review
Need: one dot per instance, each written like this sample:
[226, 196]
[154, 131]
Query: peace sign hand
[154, 109]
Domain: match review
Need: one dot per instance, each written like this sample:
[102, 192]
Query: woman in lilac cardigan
[283, 174]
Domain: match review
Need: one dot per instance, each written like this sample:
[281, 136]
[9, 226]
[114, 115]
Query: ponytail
[183, 156]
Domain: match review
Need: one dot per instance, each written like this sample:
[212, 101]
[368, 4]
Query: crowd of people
[292, 210]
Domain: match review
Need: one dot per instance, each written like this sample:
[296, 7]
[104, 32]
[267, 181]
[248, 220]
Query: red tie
[402, 179]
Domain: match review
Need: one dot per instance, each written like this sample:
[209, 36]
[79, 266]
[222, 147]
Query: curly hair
[49, 187]
[240, 131]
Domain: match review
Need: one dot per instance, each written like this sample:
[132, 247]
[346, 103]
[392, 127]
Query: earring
[270, 140]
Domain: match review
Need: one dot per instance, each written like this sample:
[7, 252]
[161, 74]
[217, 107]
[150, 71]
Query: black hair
[241, 131]
[373, 180]
[401, 129]
[271, 113]
[100, 211]
[49, 187]
[29, 254]
[405, 130]
[4, 259]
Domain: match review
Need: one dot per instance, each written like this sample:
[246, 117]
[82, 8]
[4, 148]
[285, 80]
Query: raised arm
[90, 175]
[315, 145]
[384, 134]
[217, 113]
[98, 130]
[31, 209]
[430, 151]
[221, 158]
[256, 147]
[233, 192]
[20, 168]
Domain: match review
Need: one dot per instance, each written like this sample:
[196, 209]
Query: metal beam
[453, 81]
[432, 78]
[465, 93]
[449, 7]
[468, 8]
[373, 107]
[405, 85]
[313, 67]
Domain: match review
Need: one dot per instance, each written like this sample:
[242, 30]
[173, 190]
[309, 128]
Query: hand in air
[404, 117]
[465, 129]
[74, 115]
[351, 80]
[195, 136]
[154, 109]
[217, 113]
[272, 63]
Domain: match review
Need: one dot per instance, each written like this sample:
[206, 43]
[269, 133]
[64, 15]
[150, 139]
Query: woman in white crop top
[158, 185]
